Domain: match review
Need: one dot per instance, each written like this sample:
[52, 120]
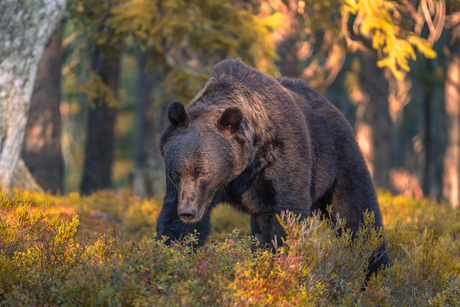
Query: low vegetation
[100, 250]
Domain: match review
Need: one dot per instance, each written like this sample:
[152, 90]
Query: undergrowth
[99, 250]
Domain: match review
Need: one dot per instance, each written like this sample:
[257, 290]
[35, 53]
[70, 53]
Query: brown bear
[263, 146]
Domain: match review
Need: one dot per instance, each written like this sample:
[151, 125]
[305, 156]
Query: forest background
[84, 91]
[111, 69]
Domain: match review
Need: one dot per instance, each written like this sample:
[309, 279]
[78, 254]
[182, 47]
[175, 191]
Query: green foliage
[183, 39]
[206, 26]
[186, 38]
[49, 255]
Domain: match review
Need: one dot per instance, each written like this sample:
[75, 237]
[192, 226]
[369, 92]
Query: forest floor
[100, 250]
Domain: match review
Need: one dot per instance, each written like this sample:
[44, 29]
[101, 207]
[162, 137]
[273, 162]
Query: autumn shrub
[224, 219]
[101, 212]
[100, 250]
[438, 218]
[313, 263]
[34, 249]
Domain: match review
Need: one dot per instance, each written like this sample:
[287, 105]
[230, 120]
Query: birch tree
[25, 27]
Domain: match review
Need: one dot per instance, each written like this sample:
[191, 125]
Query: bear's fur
[262, 145]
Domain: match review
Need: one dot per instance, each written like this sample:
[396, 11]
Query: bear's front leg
[266, 228]
[169, 223]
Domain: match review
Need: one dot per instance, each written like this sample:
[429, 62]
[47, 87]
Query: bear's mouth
[192, 220]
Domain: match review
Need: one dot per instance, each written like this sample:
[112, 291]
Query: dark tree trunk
[139, 179]
[156, 163]
[427, 134]
[287, 50]
[288, 45]
[42, 142]
[143, 124]
[99, 151]
[373, 124]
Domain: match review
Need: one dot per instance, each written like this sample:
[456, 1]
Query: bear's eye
[176, 175]
[203, 175]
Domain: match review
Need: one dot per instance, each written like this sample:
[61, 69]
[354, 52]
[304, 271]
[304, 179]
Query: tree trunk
[451, 177]
[428, 96]
[42, 143]
[373, 124]
[289, 62]
[288, 44]
[25, 28]
[156, 163]
[99, 151]
[143, 131]
[143, 124]
[23, 179]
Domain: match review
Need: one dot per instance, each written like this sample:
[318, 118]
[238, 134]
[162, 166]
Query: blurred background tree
[451, 178]
[390, 66]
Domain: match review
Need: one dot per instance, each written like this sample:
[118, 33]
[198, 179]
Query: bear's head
[202, 154]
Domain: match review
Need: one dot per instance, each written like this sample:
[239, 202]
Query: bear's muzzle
[187, 214]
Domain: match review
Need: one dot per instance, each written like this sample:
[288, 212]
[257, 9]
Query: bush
[99, 250]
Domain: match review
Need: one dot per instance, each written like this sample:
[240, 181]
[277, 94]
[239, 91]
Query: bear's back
[312, 103]
[319, 113]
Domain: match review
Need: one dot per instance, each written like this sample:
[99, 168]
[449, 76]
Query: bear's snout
[187, 214]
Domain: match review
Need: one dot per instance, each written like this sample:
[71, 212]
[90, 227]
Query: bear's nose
[187, 214]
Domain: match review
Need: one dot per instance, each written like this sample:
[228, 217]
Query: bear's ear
[230, 120]
[176, 114]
